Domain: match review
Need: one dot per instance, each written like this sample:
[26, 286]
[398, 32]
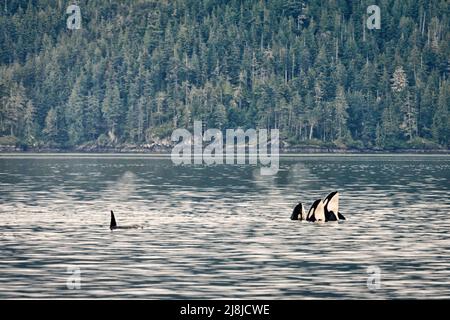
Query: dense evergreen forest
[136, 70]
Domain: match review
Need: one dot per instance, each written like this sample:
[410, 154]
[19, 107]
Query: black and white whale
[331, 203]
[317, 212]
[320, 211]
[298, 213]
[113, 225]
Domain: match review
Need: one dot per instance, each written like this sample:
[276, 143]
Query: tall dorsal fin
[113, 223]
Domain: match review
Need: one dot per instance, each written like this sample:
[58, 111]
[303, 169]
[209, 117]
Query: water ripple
[223, 231]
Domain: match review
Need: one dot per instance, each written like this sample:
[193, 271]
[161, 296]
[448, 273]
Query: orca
[113, 225]
[311, 213]
[298, 213]
[332, 207]
[320, 211]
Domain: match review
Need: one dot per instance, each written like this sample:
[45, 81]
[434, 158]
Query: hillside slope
[137, 70]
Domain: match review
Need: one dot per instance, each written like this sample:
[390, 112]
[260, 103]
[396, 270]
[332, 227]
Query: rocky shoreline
[166, 149]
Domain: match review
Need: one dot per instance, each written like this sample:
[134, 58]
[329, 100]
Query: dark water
[223, 231]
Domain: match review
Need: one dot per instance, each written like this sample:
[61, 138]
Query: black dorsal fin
[113, 221]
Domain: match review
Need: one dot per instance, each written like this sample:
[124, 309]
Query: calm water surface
[223, 231]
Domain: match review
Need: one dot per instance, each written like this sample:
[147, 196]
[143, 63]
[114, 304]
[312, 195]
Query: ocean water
[223, 231]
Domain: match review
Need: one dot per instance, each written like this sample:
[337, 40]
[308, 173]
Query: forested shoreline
[137, 70]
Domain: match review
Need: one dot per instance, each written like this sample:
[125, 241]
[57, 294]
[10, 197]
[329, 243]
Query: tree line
[137, 70]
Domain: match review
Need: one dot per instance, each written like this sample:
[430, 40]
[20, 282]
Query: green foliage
[139, 69]
[422, 144]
